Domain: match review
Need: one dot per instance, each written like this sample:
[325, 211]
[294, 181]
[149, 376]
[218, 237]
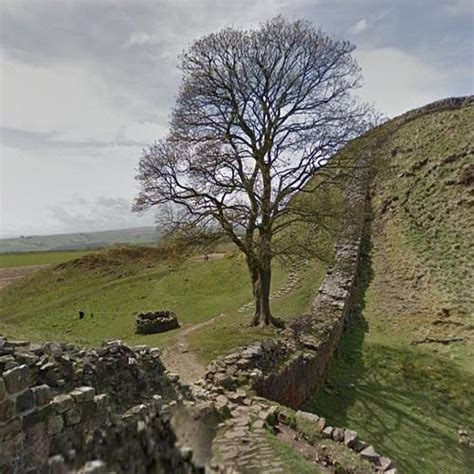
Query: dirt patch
[181, 360]
[9, 275]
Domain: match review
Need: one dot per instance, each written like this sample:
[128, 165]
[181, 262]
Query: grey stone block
[42, 394]
[25, 401]
[7, 410]
[17, 379]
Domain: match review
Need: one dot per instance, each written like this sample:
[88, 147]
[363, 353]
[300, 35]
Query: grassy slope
[411, 400]
[115, 284]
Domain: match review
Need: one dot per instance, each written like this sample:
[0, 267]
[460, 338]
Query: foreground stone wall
[78, 405]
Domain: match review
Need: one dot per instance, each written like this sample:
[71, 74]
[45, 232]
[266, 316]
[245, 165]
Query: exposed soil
[181, 360]
[9, 275]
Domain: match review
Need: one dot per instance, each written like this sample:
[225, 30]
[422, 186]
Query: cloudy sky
[86, 84]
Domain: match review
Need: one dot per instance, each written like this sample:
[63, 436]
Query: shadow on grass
[405, 400]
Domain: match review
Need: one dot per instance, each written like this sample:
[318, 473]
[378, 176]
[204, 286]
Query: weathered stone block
[10, 429]
[25, 401]
[369, 454]
[93, 467]
[338, 434]
[73, 416]
[62, 403]
[18, 343]
[327, 432]
[32, 419]
[7, 410]
[55, 424]
[17, 379]
[350, 438]
[79, 394]
[25, 358]
[42, 394]
[57, 465]
[385, 463]
[321, 423]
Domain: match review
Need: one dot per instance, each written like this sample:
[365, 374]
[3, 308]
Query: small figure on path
[81, 314]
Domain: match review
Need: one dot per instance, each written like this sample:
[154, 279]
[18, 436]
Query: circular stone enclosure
[157, 321]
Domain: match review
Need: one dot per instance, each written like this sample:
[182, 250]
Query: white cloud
[102, 213]
[32, 185]
[397, 81]
[360, 27]
[71, 100]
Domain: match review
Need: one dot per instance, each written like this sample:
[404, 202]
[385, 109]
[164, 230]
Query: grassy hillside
[83, 240]
[112, 286]
[411, 396]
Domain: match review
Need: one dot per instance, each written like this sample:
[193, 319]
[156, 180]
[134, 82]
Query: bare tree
[259, 112]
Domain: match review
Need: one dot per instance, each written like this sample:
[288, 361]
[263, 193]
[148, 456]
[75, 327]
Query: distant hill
[83, 240]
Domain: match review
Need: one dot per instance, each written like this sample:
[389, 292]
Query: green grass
[21, 259]
[293, 461]
[232, 329]
[114, 285]
[405, 401]
[114, 291]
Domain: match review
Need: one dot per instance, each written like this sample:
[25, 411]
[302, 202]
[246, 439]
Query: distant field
[79, 241]
[21, 259]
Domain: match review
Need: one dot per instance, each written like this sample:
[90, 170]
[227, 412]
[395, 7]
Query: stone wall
[449, 103]
[74, 405]
[155, 322]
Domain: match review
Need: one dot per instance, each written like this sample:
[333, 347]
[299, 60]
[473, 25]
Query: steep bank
[404, 374]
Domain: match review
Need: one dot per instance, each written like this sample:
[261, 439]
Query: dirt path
[181, 360]
[209, 256]
[9, 275]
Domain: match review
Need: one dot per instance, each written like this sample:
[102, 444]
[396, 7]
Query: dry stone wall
[62, 407]
[290, 369]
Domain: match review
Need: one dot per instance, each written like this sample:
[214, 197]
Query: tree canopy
[258, 114]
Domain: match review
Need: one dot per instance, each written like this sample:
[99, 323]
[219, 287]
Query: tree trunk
[256, 290]
[265, 280]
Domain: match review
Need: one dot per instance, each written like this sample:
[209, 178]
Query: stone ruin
[69, 409]
[155, 322]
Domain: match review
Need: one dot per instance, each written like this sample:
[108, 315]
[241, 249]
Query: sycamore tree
[258, 114]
